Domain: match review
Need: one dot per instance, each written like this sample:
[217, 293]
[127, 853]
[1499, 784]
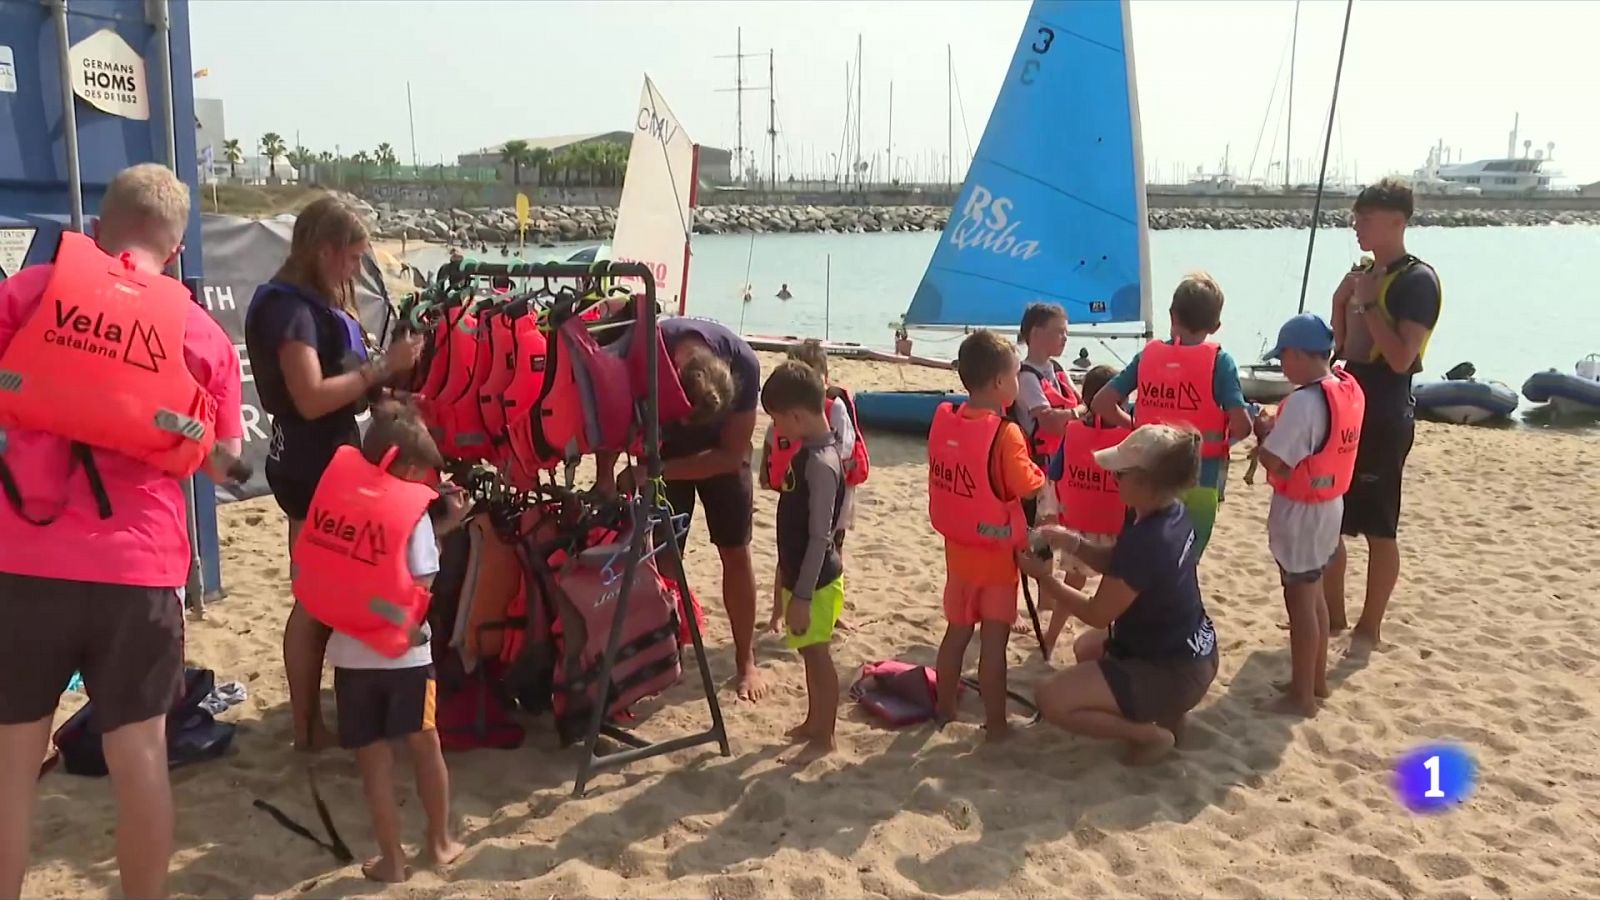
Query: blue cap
[1307, 333]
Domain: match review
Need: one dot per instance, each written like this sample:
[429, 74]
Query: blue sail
[1053, 208]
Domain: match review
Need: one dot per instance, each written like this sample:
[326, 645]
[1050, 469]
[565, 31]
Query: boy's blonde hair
[812, 353]
[1197, 302]
[145, 206]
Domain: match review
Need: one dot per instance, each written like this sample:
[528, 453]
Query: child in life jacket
[810, 570]
[979, 474]
[383, 698]
[1046, 399]
[1085, 492]
[1192, 381]
[775, 459]
[1309, 452]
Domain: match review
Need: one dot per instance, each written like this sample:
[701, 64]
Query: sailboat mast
[860, 183]
[772, 127]
[1288, 131]
[949, 117]
[890, 150]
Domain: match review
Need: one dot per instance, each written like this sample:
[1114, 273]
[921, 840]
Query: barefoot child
[979, 474]
[776, 455]
[383, 698]
[1309, 452]
[810, 571]
[1138, 678]
[1086, 493]
[1188, 380]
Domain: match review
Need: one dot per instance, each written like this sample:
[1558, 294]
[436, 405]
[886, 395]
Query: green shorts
[1201, 502]
[827, 604]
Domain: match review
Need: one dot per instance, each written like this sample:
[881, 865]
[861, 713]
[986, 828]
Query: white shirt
[1302, 536]
[422, 558]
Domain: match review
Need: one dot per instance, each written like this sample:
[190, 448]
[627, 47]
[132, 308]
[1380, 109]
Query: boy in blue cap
[1309, 452]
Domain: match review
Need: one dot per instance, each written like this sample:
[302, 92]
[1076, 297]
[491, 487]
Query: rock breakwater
[551, 224]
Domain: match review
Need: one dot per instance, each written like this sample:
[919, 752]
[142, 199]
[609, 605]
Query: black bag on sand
[193, 734]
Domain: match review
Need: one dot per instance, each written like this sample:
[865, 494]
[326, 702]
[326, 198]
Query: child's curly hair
[709, 384]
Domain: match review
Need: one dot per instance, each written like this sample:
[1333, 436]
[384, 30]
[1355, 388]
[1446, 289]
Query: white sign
[14, 244]
[109, 75]
[8, 71]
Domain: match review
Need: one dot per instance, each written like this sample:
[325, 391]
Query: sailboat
[1053, 206]
[655, 219]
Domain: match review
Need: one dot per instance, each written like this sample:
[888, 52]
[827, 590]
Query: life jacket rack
[646, 507]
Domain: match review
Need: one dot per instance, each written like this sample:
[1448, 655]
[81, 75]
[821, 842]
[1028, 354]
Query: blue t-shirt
[1225, 389]
[1167, 620]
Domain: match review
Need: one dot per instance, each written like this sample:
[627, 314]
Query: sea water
[1516, 300]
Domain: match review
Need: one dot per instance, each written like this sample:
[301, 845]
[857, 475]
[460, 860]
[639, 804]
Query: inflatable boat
[1567, 393]
[901, 412]
[1465, 401]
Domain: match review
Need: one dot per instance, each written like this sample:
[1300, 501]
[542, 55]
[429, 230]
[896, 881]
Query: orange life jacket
[1060, 394]
[527, 380]
[100, 362]
[1326, 474]
[1175, 388]
[451, 411]
[963, 503]
[1089, 499]
[783, 450]
[350, 558]
[498, 372]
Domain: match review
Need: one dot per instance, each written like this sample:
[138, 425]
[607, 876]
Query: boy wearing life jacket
[1086, 493]
[810, 570]
[118, 387]
[1309, 452]
[979, 473]
[369, 505]
[776, 454]
[1187, 381]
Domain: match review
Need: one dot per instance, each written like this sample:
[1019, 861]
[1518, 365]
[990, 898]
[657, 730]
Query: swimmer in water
[783, 293]
[1082, 362]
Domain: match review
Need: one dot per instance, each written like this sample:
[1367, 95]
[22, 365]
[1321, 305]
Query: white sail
[656, 217]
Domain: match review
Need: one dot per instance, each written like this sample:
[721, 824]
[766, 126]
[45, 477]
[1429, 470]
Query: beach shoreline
[1492, 644]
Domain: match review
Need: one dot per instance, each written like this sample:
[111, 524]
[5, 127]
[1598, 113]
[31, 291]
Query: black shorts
[1372, 506]
[293, 494]
[127, 641]
[729, 502]
[1149, 690]
[383, 704]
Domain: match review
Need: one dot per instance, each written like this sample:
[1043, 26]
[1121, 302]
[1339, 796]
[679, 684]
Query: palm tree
[562, 163]
[539, 161]
[360, 158]
[325, 156]
[385, 157]
[273, 148]
[516, 155]
[234, 154]
[615, 160]
[300, 158]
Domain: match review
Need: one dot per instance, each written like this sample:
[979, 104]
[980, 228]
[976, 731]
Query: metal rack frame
[648, 520]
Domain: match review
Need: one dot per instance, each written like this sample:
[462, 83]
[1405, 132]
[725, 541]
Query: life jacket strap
[81, 456]
[181, 425]
[10, 381]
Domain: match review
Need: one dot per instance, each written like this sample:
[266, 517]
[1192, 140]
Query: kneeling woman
[1153, 653]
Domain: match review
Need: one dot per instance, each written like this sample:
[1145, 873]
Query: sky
[1212, 76]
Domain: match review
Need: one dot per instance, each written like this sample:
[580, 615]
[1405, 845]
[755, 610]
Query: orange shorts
[967, 604]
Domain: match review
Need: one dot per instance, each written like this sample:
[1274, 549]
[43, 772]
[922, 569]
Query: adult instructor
[1383, 315]
[708, 458]
[307, 353]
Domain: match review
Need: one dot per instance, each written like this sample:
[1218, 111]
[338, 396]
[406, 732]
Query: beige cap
[1141, 449]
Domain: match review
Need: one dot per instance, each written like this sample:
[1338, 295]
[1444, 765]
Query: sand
[1492, 642]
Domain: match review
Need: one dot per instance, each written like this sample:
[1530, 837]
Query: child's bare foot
[943, 717]
[1285, 687]
[994, 733]
[1150, 750]
[1021, 626]
[1290, 705]
[814, 749]
[444, 852]
[841, 625]
[801, 732]
[384, 869]
[1179, 728]
[1363, 643]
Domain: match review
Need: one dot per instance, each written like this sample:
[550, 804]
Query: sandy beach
[1492, 642]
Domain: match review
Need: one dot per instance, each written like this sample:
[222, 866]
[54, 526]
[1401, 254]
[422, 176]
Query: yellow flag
[522, 210]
